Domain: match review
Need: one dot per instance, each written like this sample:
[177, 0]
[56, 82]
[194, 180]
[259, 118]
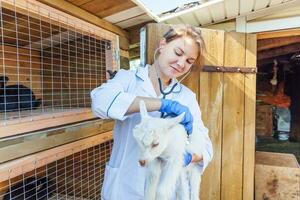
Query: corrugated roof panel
[246, 6]
[261, 4]
[190, 18]
[217, 11]
[232, 8]
[275, 2]
[203, 16]
[173, 21]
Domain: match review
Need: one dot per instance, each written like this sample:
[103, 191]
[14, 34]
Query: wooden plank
[233, 120]
[126, 14]
[276, 176]
[154, 33]
[85, 15]
[210, 99]
[78, 2]
[288, 49]
[273, 24]
[23, 125]
[16, 167]
[276, 42]
[276, 182]
[134, 21]
[51, 138]
[134, 53]
[134, 35]
[115, 8]
[249, 125]
[280, 33]
[276, 159]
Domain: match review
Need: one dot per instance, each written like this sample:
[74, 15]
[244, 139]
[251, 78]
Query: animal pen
[49, 63]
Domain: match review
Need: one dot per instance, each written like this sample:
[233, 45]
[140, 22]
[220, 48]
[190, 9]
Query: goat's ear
[179, 118]
[175, 120]
[143, 110]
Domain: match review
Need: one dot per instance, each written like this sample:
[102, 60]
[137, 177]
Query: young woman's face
[177, 56]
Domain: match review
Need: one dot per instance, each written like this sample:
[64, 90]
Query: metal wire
[79, 175]
[51, 60]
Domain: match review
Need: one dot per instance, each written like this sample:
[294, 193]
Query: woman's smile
[174, 69]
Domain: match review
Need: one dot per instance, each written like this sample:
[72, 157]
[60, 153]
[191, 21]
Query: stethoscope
[161, 85]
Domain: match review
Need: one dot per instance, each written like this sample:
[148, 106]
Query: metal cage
[49, 63]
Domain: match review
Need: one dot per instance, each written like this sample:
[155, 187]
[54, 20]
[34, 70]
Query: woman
[156, 84]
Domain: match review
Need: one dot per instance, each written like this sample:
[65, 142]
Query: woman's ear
[162, 43]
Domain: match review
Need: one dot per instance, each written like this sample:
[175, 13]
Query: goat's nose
[142, 162]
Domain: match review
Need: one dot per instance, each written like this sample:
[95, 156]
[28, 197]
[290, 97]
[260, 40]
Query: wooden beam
[273, 24]
[280, 60]
[272, 9]
[53, 40]
[134, 34]
[134, 53]
[276, 42]
[279, 51]
[26, 164]
[115, 9]
[27, 144]
[277, 34]
[82, 14]
[14, 127]
[79, 2]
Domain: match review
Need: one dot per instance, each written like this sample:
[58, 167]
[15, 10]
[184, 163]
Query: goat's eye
[154, 145]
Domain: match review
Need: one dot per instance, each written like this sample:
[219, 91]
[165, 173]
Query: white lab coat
[124, 178]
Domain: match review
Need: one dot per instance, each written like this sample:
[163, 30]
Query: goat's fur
[163, 143]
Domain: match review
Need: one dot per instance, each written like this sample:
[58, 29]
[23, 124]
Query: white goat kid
[163, 143]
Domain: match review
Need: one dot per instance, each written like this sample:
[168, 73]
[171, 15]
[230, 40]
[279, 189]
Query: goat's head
[152, 134]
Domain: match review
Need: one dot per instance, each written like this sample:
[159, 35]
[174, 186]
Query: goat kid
[163, 143]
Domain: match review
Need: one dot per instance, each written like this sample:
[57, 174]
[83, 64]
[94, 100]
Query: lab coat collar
[142, 73]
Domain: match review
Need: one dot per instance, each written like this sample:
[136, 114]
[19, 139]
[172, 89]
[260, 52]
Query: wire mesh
[49, 61]
[79, 175]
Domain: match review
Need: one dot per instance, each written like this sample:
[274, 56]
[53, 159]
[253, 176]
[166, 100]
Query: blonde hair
[178, 31]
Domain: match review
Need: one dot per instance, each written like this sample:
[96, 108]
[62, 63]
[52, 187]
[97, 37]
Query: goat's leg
[169, 176]
[195, 181]
[182, 191]
[153, 173]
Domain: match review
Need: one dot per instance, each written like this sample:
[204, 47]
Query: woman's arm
[152, 104]
[112, 99]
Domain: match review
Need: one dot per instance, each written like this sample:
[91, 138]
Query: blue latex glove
[187, 158]
[174, 108]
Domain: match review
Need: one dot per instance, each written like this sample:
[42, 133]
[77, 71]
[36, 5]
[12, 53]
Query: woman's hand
[189, 158]
[174, 108]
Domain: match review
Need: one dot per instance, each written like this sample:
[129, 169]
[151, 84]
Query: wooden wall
[227, 101]
[72, 69]
[21, 66]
